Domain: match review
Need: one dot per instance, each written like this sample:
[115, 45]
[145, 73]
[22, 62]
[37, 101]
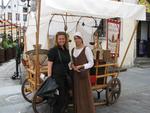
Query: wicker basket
[43, 59]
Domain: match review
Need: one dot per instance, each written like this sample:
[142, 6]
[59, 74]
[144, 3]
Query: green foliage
[7, 43]
[146, 3]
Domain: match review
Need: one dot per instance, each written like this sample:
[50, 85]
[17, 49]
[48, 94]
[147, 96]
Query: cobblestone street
[135, 95]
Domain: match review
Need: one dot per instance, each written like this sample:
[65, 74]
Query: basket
[43, 59]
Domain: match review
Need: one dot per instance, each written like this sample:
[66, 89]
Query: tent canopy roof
[96, 8]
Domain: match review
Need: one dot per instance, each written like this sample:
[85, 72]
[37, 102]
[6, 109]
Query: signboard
[113, 36]
[146, 3]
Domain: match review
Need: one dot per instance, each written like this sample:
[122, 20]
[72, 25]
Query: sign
[113, 36]
[146, 3]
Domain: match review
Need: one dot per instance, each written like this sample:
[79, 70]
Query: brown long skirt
[83, 99]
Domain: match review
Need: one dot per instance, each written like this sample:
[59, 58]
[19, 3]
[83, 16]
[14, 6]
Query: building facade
[16, 11]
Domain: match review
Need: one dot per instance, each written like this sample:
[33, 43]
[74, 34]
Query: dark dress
[59, 71]
[83, 99]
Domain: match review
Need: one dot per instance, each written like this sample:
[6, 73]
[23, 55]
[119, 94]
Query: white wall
[127, 30]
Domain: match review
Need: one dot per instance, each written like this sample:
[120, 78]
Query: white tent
[95, 8]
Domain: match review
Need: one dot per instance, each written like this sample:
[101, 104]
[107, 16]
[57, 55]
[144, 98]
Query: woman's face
[61, 40]
[78, 41]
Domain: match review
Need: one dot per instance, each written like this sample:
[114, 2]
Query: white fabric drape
[97, 8]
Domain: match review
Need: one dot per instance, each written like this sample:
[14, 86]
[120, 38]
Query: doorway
[143, 39]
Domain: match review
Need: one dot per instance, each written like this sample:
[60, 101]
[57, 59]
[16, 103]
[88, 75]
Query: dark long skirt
[83, 99]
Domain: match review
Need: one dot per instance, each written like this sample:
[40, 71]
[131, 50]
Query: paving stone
[135, 94]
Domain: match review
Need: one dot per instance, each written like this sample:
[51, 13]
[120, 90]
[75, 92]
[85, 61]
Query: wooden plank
[100, 86]
[99, 103]
[106, 65]
[106, 75]
[31, 71]
[31, 81]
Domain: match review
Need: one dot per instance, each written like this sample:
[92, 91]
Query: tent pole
[132, 36]
[38, 12]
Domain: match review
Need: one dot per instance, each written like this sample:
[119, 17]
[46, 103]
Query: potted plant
[7, 45]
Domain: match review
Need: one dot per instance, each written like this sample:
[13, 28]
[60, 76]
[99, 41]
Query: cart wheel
[27, 94]
[41, 105]
[113, 90]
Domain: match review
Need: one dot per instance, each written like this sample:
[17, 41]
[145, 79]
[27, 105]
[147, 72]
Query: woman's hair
[66, 37]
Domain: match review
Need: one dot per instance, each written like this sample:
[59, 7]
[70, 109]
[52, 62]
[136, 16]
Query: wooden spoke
[113, 90]
[27, 94]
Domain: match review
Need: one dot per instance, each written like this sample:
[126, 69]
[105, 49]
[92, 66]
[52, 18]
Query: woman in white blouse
[82, 61]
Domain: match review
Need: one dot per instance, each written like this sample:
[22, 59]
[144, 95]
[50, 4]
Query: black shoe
[14, 77]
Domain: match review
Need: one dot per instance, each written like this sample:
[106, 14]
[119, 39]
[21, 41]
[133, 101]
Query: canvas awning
[96, 8]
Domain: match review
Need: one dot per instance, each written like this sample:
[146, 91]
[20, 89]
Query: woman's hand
[80, 67]
[75, 68]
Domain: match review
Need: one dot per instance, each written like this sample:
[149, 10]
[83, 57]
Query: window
[24, 17]
[9, 16]
[17, 16]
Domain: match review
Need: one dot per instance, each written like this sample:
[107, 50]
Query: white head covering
[78, 34]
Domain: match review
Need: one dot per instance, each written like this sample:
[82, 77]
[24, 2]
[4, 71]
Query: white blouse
[89, 56]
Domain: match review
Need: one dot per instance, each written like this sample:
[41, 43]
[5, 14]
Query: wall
[127, 30]
[16, 7]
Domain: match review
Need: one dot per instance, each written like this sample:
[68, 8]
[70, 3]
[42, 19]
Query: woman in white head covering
[82, 61]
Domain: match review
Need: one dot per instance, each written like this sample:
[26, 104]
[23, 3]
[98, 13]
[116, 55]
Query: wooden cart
[109, 81]
[32, 82]
[105, 78]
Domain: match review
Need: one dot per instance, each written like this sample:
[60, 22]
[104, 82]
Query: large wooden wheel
[26, 91]
[113, 91]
